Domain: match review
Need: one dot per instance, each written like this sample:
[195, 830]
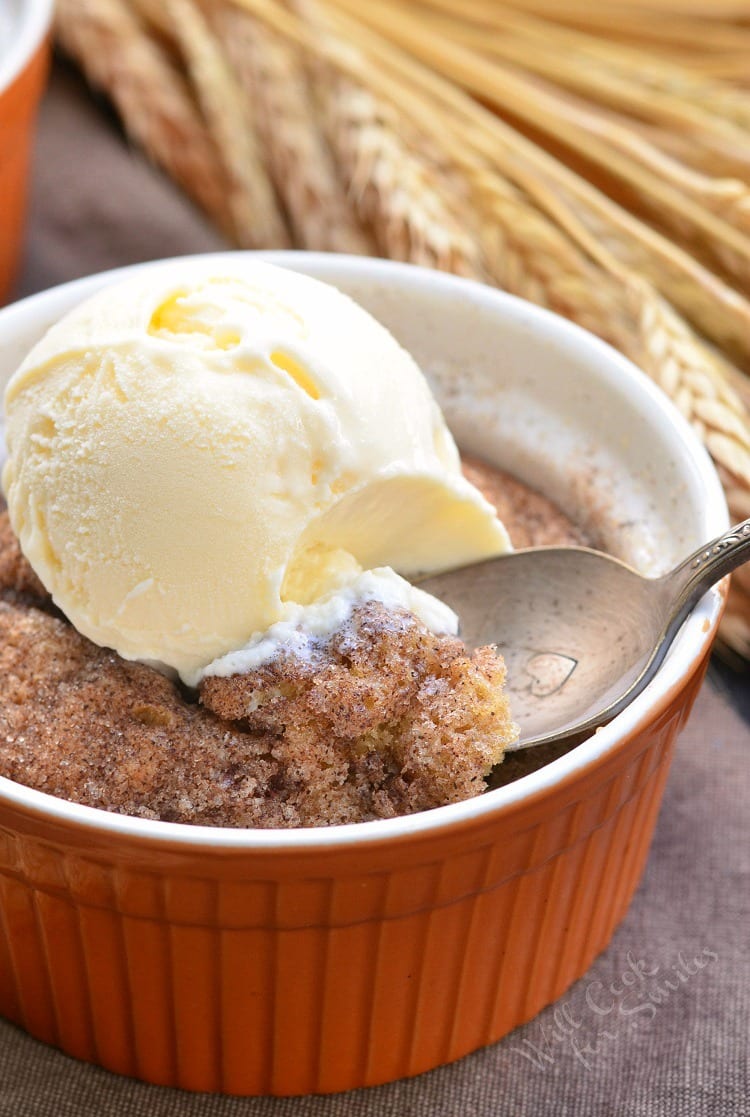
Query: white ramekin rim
[30, 27]
[690, 647]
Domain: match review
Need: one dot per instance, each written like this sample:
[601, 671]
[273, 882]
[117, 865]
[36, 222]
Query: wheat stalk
[274, 80]
[666, 93]
[611, 234]
[730, 68]
[563, 122]
[530, 256]
[547, 268]
[627, 20]
[711, 10]
[394, 188]
[673, 53]
[154, 101]
[614, 236]
[662, 343]
[251, 199]
[590, 65]
[542, 264]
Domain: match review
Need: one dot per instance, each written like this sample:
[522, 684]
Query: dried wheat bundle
[511, 153]
[684, 68]
[395, 189]
[274, 80]
[365, 124]
[642, 21]
[531, 256]
[594, 67]
[591, 218]
[715, 48]
[655, 318]
[561, 121]
[691, 153]
[727, 67]
[602, 71]
[712, 10]
[251, 198]
[518, 247]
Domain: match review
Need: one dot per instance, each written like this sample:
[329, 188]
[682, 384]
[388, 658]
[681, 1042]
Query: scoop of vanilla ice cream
[193, 454]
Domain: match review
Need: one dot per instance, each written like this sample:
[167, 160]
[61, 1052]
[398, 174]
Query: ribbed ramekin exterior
[286, 972]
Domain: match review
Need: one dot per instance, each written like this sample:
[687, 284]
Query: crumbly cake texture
[383, 718]
[78, 722]
[531, 519]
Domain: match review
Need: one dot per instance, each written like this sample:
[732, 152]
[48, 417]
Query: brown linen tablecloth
[661, 1023]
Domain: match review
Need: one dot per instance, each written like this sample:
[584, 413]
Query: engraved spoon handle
[687, 583]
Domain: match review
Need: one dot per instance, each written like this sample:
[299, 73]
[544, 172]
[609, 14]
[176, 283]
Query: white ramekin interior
[532, 393]
[23, 25]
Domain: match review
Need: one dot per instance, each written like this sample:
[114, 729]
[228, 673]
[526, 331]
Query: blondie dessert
[384, 718]
[239, 674]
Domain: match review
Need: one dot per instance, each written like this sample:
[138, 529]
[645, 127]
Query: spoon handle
[689, 581]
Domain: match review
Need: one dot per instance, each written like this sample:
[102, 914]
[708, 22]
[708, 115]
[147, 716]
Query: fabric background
[661, 1023]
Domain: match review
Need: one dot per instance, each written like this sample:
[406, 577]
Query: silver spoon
[581, 633]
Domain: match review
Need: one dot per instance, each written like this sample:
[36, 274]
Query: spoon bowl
[581, 632]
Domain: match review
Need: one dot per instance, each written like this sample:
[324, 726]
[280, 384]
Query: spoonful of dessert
[581, 633]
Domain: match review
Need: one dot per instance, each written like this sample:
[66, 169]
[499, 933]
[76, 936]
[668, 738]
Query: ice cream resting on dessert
[203, 463]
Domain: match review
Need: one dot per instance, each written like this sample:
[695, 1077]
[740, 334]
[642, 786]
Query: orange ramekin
[24, 60]
[292, 962]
